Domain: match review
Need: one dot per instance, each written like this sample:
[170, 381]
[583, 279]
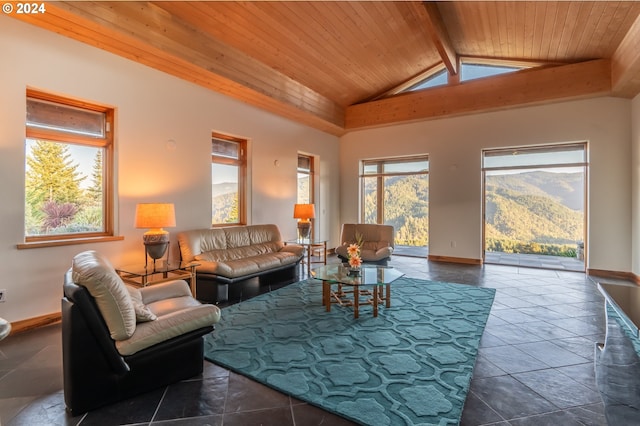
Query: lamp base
[304, 230]
[155, 247]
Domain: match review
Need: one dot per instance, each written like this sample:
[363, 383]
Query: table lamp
[304, 212]
[155, 216]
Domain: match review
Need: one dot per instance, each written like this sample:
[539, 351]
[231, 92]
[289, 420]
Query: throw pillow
[143, 314]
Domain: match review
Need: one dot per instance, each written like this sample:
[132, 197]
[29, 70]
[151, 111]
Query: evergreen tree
[95, 190]
[51, 177]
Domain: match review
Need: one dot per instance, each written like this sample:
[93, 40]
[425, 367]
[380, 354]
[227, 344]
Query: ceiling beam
[527, 87]
[625, 64]
[143, 32]
[439, 34]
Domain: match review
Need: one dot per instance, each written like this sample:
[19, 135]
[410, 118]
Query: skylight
[468, 71]
[437, 79]
[473, 71]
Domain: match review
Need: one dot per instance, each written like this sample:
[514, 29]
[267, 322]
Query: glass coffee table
[350, 289]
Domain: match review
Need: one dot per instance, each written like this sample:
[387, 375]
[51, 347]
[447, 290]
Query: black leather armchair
[96, 373]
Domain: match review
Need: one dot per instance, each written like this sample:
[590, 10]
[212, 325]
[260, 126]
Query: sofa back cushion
[94, 272]
[373, 236]
[229, 242]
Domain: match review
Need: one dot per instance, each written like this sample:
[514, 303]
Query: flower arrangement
[354, 255]
[353, 251]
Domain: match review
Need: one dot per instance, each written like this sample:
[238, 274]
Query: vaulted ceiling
[335, 65]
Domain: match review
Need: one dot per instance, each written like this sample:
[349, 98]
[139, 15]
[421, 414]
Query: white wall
[454, 146]
[151, 108]
[635, 185]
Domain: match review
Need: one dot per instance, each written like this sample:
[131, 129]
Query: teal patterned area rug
[411, 365]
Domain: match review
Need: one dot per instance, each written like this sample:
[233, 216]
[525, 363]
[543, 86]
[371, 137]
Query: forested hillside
[535, 212]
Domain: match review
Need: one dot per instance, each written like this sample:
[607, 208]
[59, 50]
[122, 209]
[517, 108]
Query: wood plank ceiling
[329, 64]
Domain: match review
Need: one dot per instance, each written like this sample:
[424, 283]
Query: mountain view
[535, 212]
[224, 197]
[531, 212]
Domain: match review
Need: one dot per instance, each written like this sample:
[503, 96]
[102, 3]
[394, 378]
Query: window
[228, 175]
[396, 192]
[305, 179]
[470, 71]
[440, 78]
[68, 170]
[535, 203]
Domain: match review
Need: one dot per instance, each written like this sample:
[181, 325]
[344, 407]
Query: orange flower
[353, 250]
[355, 261]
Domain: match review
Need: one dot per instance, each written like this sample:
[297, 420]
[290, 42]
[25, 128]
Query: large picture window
[68, 170]
[395, 191]
[228, 175]
[535, 205]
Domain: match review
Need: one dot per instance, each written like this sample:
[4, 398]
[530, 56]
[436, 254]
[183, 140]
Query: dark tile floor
[535, 364]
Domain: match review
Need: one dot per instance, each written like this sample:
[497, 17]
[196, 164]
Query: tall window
[396, 192]
[305, 179]
[68, 170]
[535, 201]
[228, 176]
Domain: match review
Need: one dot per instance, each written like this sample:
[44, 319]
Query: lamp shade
[155, 215]
[304, 211]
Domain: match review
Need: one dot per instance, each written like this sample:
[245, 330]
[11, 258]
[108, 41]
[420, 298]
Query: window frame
[241, 163]
[106, 143]
[311, 174]
[379, 175]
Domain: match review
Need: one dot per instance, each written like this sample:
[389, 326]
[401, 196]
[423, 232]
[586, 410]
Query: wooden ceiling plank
[440, 37]
[284, 44]
[522, 88]
[625, 64]
[585, 25]
[538, 31]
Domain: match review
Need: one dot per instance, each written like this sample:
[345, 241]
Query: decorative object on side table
[355, 261]
[155, 216]
[304, 212]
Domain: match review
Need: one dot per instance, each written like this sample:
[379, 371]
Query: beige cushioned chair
[377, 241]
[119, 341]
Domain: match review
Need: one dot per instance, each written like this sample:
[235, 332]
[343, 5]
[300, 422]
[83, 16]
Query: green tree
[95, 190]
[51, 177]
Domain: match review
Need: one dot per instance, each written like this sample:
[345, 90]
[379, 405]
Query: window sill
[71, 242]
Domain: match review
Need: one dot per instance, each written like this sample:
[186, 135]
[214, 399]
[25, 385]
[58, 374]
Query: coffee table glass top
[369, 274]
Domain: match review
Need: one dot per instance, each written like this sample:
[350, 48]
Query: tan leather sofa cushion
[94, 272]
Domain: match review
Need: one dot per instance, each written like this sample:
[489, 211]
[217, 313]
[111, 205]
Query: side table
[140, 275]
[312, 247]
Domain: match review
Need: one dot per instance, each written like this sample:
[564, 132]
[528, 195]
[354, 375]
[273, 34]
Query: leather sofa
[235, 253]
[119, 341]
[377, 241]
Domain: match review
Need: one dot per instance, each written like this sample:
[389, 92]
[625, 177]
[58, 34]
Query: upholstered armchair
[119, 341]
[377, 241]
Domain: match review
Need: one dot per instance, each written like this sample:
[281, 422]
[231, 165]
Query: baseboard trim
[616, 275]
[449, 259]
[31, 323]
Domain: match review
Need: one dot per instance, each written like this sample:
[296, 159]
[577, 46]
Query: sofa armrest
[296, 249]
[166, 290]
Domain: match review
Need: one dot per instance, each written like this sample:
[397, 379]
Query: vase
[354, 272]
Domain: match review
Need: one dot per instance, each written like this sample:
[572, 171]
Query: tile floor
[535, 364]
